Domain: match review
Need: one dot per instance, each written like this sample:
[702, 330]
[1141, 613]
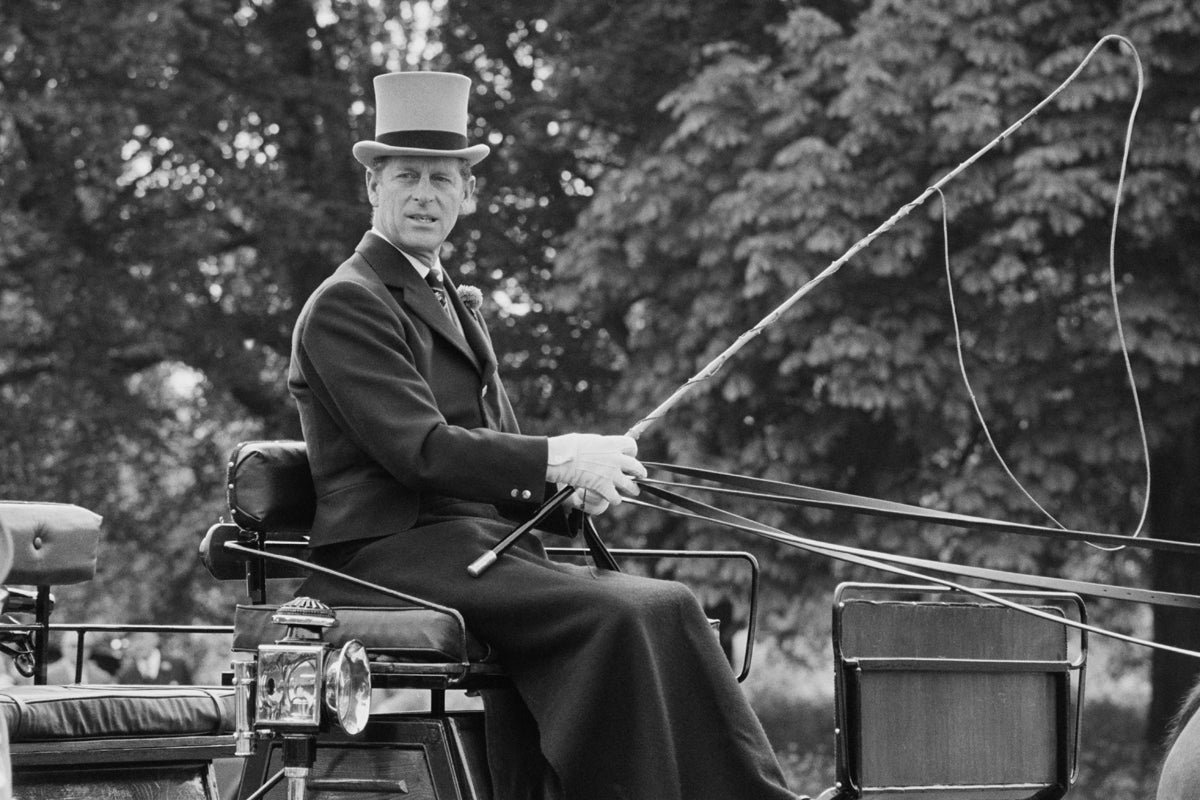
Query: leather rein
[794, 494]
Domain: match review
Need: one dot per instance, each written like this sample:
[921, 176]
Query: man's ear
[372, 187]
[468, 205]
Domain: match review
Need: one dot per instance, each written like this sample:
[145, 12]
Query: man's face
[417, 200]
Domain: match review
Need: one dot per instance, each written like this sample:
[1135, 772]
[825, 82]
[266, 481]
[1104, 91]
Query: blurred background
[176, 177]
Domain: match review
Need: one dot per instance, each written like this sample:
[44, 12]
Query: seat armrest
[228, 565]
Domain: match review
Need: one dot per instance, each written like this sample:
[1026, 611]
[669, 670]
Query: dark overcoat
[622, 690]
[396, 404]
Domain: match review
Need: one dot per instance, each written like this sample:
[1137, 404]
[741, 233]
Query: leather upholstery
[35, 713]
[271, 493]
[53, 543]
[404, 634]
[270, 487]
[227, 565]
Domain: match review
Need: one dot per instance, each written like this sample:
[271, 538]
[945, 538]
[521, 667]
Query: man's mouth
[422, 218]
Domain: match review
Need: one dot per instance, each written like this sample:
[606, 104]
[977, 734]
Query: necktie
[434, 279]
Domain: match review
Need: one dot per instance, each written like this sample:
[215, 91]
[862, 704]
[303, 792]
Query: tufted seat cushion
[39, 713]
[53, 543]
[403, 634]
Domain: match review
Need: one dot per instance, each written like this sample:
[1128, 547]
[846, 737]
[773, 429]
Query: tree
[777, 164]
[175, 183]
[178, 178]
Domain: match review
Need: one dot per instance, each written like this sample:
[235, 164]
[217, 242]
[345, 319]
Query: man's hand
[603, 465]
[589, 502]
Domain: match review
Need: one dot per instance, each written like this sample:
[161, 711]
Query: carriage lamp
[348, 687]
[243, 686]
[288, 693]
[300, 681]
[296, 687]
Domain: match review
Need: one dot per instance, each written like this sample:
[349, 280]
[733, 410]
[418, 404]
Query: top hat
[420, 114]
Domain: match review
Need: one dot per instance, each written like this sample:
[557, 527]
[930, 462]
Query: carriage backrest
[271, 502]
[269, 487]
[47, 545]
[942, 696]
[53, 544]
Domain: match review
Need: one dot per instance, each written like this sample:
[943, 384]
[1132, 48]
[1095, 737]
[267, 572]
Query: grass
[1114, 762]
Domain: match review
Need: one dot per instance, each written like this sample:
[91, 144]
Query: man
[145, 663]
[622, 690]
[62, 662]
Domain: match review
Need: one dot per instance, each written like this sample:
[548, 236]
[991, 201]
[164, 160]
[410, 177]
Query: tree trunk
[1175, 514]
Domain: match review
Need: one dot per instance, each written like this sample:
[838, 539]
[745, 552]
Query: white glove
[589, 502]
[602, 464]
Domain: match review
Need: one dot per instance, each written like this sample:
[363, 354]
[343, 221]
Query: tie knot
[434, 279]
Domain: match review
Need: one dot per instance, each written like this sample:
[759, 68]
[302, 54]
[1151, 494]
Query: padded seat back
[229, 565]
[53, 544]
[272, 502]
[270, 488]
[45, 545]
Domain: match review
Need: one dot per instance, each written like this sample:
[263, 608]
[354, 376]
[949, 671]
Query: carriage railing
[13, 634]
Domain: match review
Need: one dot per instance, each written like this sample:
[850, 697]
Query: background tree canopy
[175, 177]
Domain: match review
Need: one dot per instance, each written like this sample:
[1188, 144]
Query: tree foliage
[777, 165]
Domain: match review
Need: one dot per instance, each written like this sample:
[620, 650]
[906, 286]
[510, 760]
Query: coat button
[514, 493]
[525, 495]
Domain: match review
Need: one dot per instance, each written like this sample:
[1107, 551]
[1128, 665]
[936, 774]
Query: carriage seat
[54, 713]
[53, 544]
[397, 634]
[271, 503]
[45, 545]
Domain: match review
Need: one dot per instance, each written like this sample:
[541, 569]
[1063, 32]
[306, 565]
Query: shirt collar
[420, 267]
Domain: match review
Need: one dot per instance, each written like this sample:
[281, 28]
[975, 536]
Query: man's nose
[423, 192]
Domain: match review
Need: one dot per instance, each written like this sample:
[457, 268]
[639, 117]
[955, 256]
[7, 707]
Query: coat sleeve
[356, 357]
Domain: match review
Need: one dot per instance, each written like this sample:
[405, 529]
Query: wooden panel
[950, 699]
[407, 763]
[80, 752]
[949, 630]
[929, 729]
[412, 750]
[469, 742]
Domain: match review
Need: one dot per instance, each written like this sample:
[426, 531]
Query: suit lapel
[398, 274]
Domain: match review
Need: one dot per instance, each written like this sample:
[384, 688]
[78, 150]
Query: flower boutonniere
[471, 297]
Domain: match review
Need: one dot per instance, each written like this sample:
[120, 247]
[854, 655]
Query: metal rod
[266, 787]
[890, 563]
